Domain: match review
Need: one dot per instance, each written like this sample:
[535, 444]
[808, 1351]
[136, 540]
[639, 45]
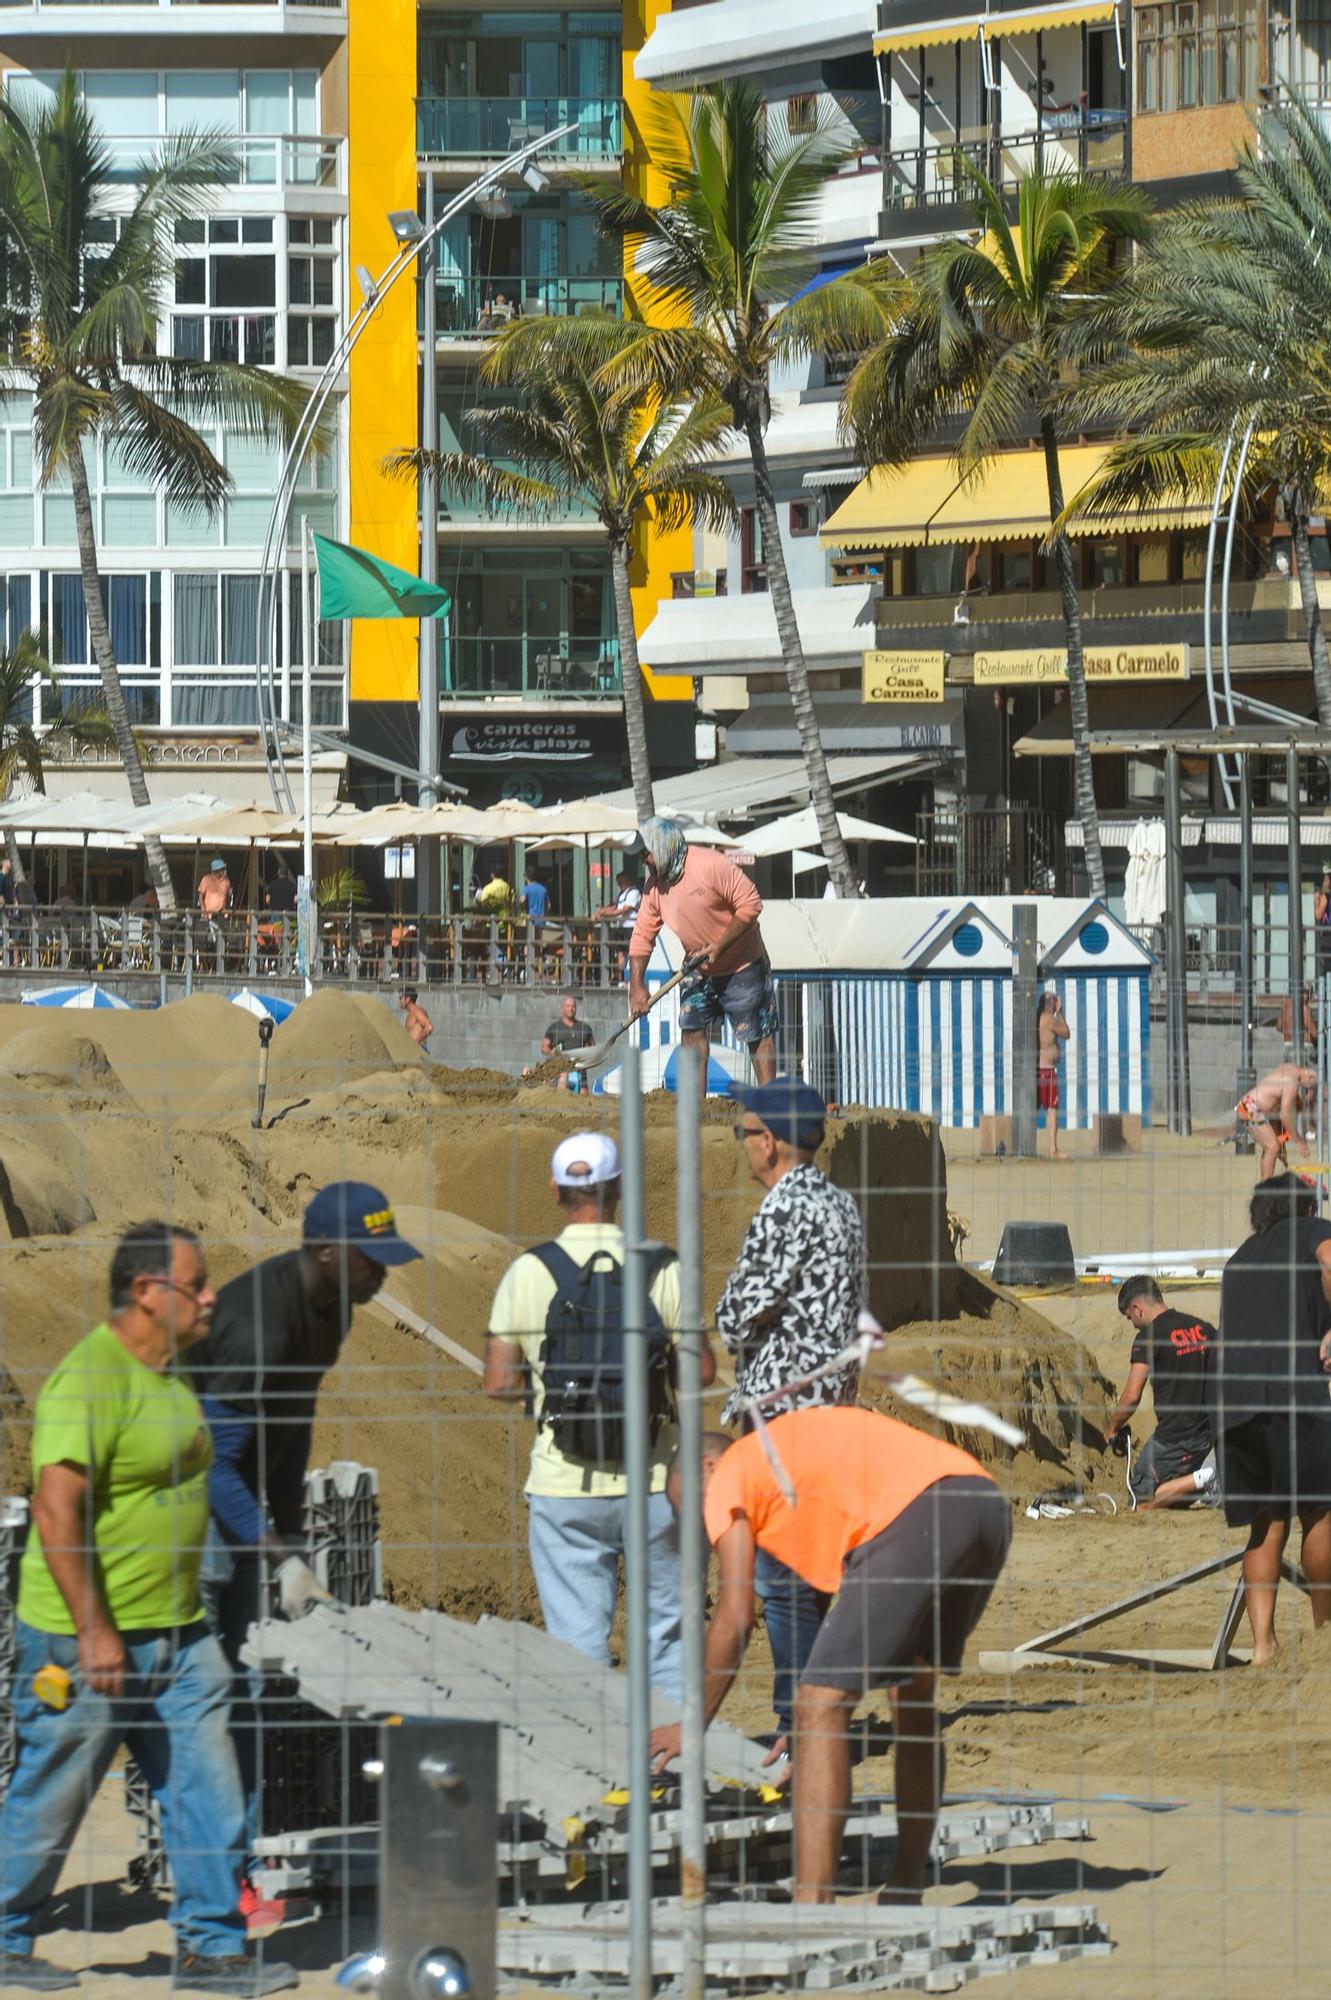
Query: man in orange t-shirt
[911, 1534]
[713, 909]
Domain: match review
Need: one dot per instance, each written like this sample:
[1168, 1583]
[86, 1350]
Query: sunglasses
[748, 1131]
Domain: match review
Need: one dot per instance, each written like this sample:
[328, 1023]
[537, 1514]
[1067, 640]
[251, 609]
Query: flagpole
[306, 899]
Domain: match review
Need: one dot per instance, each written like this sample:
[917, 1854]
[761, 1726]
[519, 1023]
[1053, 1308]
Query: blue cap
[356, 1213]
[790, 1109]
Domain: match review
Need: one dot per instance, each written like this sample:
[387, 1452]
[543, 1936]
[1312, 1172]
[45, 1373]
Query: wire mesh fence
[1123, 1802]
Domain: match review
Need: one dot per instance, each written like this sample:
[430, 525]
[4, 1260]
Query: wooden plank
[422, 1327]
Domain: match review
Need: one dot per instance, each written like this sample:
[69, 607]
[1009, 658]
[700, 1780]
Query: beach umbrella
[264, 1006]
[73, 996]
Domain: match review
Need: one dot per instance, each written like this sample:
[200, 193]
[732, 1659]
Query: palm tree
[77, 328]
[23, 753]
[985, 333]
[1226, 323]
[737, 237]
[586, 432]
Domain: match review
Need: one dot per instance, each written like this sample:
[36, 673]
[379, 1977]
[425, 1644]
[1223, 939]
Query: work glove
[299, 1590]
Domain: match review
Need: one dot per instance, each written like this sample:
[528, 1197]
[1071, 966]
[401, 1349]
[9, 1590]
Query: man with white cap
[556, 1337]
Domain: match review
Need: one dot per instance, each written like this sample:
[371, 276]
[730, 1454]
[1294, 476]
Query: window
[1195, 52]
[802, 113]
[232, 283]
[311, 287]
[216, 620]
[133, 612]
[804, 517]
[753, 567]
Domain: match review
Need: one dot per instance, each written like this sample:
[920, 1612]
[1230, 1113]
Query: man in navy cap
[276, 1331]
[790, 1305]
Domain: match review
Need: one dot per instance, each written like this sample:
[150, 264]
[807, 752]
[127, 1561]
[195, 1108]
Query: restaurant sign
[903, 676]
[556, 739]
[1103, 663]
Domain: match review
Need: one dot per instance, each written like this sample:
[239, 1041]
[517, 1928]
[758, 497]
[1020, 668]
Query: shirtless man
[1051, 1028]
[1270, 1110]
[414, 1017]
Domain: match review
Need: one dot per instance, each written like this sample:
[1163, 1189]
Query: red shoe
[262, 1916]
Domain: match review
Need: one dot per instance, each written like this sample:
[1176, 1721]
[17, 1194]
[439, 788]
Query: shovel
[593, 1058]
[265, 1036]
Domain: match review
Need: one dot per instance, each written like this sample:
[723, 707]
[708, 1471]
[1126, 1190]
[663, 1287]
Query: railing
[932, 176]
[280, 159]
[494, 127]
[467, 307]
[537, 668]
[1213, 952]
[248, 945]
[989, 852]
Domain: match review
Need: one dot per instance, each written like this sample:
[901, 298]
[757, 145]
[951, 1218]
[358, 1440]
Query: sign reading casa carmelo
[1103, 663]
[903, 677]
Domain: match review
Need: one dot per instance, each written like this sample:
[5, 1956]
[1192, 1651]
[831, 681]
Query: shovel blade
[593, 1058]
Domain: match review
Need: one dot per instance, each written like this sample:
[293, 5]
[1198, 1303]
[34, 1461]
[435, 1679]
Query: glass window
[214, 704]
[123, 102]
[267, 100]
[68, 622]
[244, 281]
[206, 100]
[240, 617]
[195, 613]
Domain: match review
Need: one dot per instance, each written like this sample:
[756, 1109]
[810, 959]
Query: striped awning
[926, 503]
[1022, 21]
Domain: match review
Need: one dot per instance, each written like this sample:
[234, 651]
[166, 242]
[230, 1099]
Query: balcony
[262, 161]
[937, 177]
[490, 128]
[533, 667]
[473, 308]
[64, 18]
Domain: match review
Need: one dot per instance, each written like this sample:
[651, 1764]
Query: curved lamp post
[414, 242]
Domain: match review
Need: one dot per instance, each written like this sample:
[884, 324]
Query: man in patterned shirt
[791, 1303]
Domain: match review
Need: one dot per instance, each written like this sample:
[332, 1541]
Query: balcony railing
[539, 669]
[471, 306]
[935, 176]
[280, 160]
[493, 127]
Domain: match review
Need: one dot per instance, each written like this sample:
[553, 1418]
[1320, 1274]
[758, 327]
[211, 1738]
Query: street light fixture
[406, 225]
[369, 291]
[494, 205]
[535, 179]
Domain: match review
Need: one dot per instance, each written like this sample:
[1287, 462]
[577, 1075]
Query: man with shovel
[713, 909]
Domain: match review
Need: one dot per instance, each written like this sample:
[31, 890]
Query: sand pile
[55, 1055]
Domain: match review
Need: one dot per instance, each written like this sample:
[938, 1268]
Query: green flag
[354, 584]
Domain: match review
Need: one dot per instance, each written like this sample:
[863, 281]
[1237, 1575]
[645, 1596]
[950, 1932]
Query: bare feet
[1265, 1656]
[1056, 1155]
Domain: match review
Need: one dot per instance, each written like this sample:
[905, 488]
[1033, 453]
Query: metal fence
[367, 945]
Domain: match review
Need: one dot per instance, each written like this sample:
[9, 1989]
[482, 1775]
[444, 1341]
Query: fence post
[1295, 900]
[692, 1540]
[637, 1470]
[1181, 1093]
[1247, 1076]
[1025, 1032]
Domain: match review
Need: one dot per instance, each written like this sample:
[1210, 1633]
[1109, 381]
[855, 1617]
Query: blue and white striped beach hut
[1102, 974]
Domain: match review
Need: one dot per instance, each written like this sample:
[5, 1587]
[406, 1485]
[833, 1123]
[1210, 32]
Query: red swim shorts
[1046, 1089]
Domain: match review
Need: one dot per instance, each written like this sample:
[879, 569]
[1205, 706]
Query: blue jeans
[173, 1716]
[575, 1549]
[793, 1612]
[229, 1586]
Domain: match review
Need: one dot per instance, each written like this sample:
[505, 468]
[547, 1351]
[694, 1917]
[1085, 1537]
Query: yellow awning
[938, 34]
[1009, 502]
[893, 509]
[1025, 21]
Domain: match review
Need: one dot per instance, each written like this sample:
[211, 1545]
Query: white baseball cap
[593, 1151]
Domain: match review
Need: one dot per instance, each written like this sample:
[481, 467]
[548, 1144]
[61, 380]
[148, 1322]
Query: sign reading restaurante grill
[903, 676]
[1103, 663]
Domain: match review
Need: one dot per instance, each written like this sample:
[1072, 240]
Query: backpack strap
[561, 1267]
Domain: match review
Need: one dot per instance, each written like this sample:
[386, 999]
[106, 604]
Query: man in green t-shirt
[109, 1594]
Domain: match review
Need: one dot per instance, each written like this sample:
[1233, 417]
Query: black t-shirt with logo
[1176, 1348]
[562, 1038]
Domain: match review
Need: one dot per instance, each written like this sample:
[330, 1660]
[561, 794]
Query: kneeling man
[911, 1534]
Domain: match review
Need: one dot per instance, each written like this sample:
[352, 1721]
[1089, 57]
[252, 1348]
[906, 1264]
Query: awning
[748, 36]
[1023, 21]
[1179, 709]
[724, 635]
[741, 788]
[924, 502]
[826, 277]
[768, 724]
[824, 476]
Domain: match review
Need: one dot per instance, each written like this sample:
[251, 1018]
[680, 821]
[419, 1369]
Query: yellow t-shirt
[143, 1439]
[518, 1315]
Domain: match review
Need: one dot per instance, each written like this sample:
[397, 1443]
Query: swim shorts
[746, 999]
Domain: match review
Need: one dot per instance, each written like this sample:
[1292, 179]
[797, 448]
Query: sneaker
[232, 1972]
[33, 1975]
